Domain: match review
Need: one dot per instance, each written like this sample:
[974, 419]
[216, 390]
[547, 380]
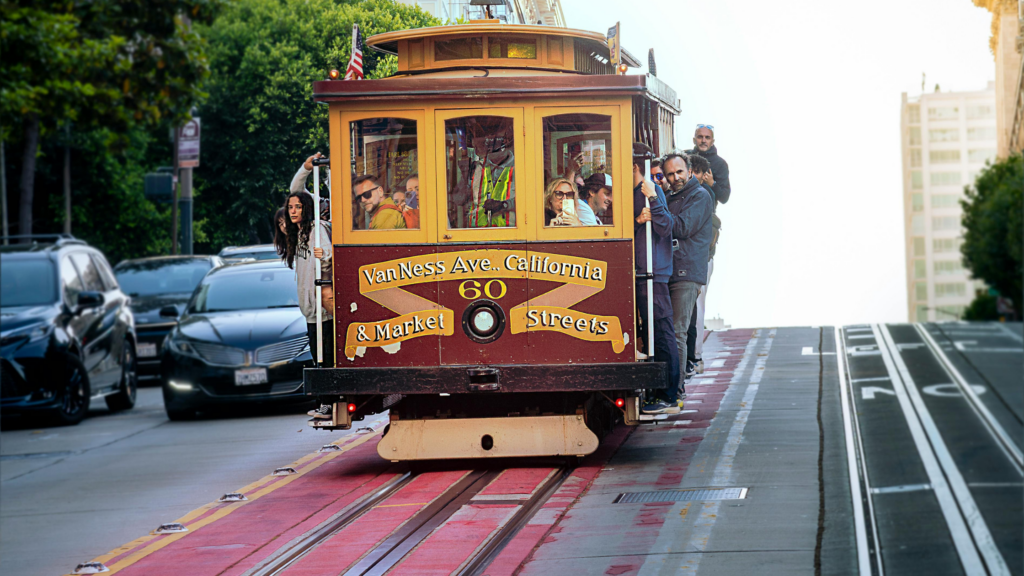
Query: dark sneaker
[690, 369]
[657, 407]
[324, 412]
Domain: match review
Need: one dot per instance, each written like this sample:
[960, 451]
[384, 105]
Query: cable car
[483, 243]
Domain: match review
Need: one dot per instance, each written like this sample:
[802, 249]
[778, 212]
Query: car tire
[74, 397]
[124, 398]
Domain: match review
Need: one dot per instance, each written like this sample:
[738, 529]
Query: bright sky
[805, 99]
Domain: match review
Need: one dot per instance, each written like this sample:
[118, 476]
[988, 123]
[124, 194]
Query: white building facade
[543, 12]
[947, 138]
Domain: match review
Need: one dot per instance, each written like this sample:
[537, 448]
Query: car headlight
[181, 346]
[31, 333]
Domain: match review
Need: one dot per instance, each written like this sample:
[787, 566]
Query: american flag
[355, 64]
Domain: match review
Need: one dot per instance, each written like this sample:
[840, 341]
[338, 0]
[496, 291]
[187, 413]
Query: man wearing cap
[704, 145]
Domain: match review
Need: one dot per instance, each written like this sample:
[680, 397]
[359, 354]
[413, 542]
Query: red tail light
[620, 402]
[351, 407]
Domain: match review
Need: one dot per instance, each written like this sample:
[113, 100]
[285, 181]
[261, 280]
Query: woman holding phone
[560, 203]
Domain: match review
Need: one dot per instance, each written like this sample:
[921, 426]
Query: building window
[945, 178]
[915, 158]
[918, 246]
[921, 291]
[980, 111]
[944, 156]
[948, 312]
[948, 267]
[916, 180]
[914, 114]
[944, 135]
[956, 289]
[945, 223]
[945, 200]
[922, 314]
[981, 155]
[981, 133]
[917, 202]
[459, 49]
[945, 245]
[511, 47]
[915, 136]
[917, 224]
[920, 269]
[944, 113]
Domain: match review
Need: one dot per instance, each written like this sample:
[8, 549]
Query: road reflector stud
[90, 568]
[172, 528]
[329, 448]
[366, 430]
[232, 497]
[286, 471]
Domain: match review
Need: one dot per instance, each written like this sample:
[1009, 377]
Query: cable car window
[385, 182]
[480, 172]
[459, 49]
[511, 47]
[577, 165]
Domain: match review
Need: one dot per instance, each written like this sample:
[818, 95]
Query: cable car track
[393, 549]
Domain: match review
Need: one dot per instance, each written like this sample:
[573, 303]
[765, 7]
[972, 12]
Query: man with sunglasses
[383, 212]
[656, 174]
[718, 176]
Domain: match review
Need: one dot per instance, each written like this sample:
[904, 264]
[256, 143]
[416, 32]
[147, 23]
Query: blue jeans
[665, 349]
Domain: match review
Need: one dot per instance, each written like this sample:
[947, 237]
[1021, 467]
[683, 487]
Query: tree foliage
[994, 228]
[260, 121]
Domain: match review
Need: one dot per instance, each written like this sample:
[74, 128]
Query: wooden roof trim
[377, 41]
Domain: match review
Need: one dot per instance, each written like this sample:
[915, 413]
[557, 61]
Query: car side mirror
[88, 300]
[169, 311]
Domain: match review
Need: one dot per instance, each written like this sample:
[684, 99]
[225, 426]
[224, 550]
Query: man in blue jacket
[665, 349]
[690, 207]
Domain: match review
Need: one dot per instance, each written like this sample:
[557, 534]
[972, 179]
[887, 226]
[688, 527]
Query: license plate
[147, 350]
[250, 376]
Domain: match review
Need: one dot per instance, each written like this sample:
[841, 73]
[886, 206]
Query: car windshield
[246, 290]
[27, 282]
[153, 277]
[261, 255]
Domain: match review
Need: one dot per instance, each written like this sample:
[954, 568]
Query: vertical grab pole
[650, 271]
[316, 284]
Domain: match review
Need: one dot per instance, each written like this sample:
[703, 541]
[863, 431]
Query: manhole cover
[681, 495]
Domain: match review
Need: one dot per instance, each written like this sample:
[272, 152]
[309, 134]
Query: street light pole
[174, 195]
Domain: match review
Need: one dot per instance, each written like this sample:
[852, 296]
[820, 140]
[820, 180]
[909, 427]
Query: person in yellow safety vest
[494, 189]
[384, 213]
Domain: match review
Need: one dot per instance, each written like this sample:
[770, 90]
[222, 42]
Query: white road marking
[868, 392]
[875, 379]
[859, 336]
[809, 351]
[720, 363]
[853, 468]
[905, 488]
[950, 390]
[1010, 448]
[953, 496]
[962, 345]
[1010, 333]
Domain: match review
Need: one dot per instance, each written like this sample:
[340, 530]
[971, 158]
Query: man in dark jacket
[691, 207]
[704, 145]
[665, 349]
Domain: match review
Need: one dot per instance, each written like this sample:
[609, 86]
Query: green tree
[994, 228]
[260, 120]
[107, 64]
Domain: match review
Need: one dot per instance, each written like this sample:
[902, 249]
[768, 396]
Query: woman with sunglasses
[560, 193]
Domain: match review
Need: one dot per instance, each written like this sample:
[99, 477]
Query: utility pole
[67, 178]
[186, 210]
[174, 194]
[3, 188]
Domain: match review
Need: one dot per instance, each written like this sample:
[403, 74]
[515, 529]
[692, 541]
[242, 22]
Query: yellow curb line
[347, 443]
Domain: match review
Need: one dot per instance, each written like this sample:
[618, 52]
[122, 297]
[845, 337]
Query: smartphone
[569, 206]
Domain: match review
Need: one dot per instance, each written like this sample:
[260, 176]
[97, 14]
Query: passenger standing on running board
[691, 207]
[695, 334]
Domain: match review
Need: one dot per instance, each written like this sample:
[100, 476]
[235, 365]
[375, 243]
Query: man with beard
[691, 207]
[384, 213]
[695, 336]
[704, 145]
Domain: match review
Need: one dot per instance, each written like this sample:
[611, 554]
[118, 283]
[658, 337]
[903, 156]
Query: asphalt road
[68, 494]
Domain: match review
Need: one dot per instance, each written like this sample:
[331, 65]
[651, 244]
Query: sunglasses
[708, 126]
[368, 194]
[658, 177]
[561, 195]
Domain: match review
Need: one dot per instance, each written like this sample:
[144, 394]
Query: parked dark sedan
[242, 339]
[233, 254]
[160, 288]
[66, 333]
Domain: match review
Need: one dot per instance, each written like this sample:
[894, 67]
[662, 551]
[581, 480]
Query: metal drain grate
[681, 495]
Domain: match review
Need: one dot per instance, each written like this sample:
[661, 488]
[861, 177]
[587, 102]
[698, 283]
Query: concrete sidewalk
[752, 421]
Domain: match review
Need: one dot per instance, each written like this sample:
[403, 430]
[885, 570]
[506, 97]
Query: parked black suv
[160, 288]
[66, 332]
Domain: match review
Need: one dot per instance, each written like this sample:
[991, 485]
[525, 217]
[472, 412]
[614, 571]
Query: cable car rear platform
[503, 378]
